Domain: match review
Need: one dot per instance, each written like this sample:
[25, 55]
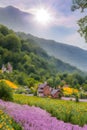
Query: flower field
[6, 123]
[34, 118]
[68, 111]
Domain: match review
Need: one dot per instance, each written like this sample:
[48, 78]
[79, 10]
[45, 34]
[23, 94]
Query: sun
[43, 16]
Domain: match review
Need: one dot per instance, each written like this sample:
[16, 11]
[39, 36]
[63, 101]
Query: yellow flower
[1, 125]
[10, 84]
[1, 112]
[69, 91]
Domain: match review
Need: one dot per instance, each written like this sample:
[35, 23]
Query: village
[44, 90]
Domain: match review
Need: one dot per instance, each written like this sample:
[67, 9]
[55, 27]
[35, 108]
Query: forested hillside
[30, 63]
[69, 54]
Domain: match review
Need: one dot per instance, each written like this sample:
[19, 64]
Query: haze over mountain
[21, 21]
[73, 55]
[14, 18]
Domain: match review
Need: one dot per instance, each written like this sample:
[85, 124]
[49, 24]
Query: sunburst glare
[43, 16]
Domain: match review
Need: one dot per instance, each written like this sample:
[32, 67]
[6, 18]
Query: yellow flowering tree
[67, 91]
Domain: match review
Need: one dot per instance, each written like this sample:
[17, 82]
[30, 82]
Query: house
[55, 93]
[7, 69]
[44, 90]
[3, 68]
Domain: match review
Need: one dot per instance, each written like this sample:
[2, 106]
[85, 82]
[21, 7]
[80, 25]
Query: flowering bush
[32, 118]
[10, 84]
[67, 91]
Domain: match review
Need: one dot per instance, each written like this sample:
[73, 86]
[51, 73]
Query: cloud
[76, 40]
[66, 21]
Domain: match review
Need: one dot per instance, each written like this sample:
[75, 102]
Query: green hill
[69, 54]
[30, 62]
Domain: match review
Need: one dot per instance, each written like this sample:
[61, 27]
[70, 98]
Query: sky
[63, 26]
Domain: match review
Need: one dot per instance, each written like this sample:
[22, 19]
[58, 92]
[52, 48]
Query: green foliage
[4, 30]
[5, 92]
[84, 87]
[77, 4]
[83, 27]
[12, 42]
[83, 95]
[60, 95]
[50, 82]
[2, 40]
[77, 98]
[20, 91]
[81, 4]
[54, 81]
[16, 126]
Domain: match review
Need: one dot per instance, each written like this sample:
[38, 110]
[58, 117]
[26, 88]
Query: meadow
[67, 111]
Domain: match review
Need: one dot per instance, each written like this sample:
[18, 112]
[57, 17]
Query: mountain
[69, 54]
[21, 21]
[14, 18]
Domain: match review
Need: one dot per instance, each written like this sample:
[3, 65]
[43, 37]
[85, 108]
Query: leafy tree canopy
[81, 4]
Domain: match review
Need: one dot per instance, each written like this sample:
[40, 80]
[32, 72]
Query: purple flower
[33, 118]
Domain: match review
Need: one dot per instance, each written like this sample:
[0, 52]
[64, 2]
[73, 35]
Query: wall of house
[56, 95]
[46, 91]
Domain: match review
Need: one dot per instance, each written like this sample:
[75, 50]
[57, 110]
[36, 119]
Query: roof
[42, 85]
[40, 90]
[54, 91]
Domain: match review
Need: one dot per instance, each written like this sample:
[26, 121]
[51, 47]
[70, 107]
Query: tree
[2, 40]
[13, 42]
[50, 82]
[57, 81]
[4, 30]
[81, 4]
[84, 87]
[5, 91]
[83, 27]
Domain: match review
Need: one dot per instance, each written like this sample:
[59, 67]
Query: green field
[68, 111]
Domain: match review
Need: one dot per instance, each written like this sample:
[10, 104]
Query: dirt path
[73, 99]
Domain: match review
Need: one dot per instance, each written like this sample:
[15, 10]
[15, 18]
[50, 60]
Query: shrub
[21, 91]
[83, 95]
[5, 92]
[76, 98]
